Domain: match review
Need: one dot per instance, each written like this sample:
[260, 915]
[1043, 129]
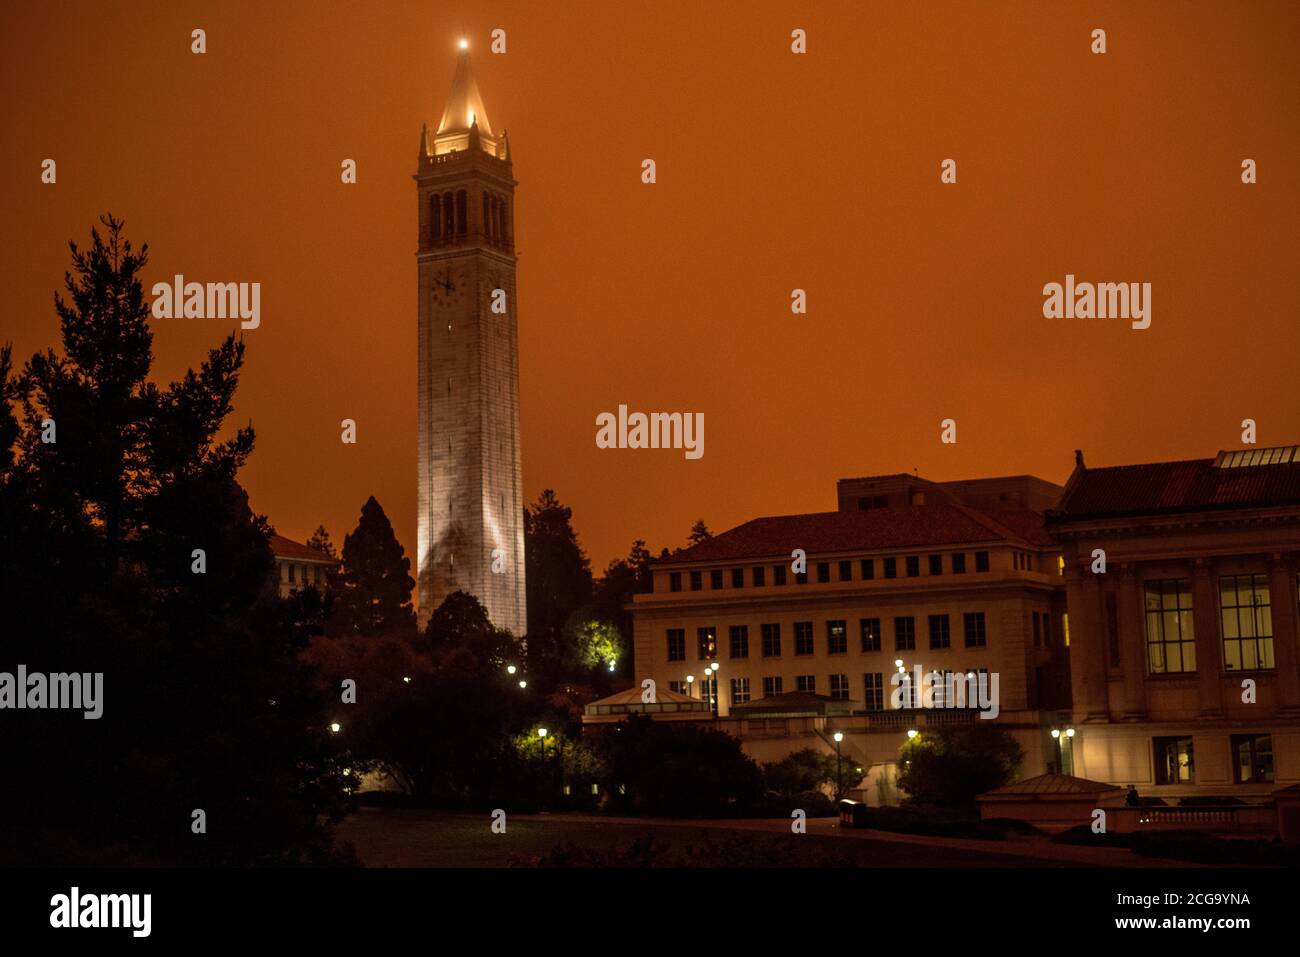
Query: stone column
[1209, 651]
[1131, 612]
[1286, 635]
[1088, 649]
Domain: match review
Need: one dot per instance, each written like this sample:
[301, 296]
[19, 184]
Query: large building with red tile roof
[948, 577]
[1185, 659]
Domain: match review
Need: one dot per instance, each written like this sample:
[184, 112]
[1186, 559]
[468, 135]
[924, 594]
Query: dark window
[823, 572]
[870, 628]
[846, 571]
[1038, 631]
[1175, 763]
[697, 581]
[981, 561]
[772, 685]
[1112, 628]
[801, 578]
[1247, 622]
[1253, 758]
[715, 579]
[760, 576]
[905, 634]
[738, 578]
[674, 581]
[973, 623]
[940, 632]
[462, 203]
[708, 638]
[874, 691]
[676, 644]
[868, 569]
[292, 573]
[936, 564]
[806, 683]
[891, 567]
[771, 641]
[739, 641]
[803, 638]
[1171, 636]
[435, 219]
[1047, 629]
[913, 566]
[959, 563]
[840, 687]
[778, 574]
[837, 637]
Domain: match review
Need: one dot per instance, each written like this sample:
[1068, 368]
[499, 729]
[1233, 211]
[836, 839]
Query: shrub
[948, 767]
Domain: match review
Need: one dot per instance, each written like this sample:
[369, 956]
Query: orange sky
[775, 171]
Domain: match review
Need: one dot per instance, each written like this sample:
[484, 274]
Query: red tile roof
[1189, 485]
[287, 548]
[904, 526]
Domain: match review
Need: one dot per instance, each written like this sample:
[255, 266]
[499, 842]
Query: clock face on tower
[448, 288]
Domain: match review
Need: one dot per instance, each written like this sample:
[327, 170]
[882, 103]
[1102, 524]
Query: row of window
[873, 689]
[974, 633]
[448, 215]
[1245, 625]
[844, 570]
[306, 574]
[1252, 759]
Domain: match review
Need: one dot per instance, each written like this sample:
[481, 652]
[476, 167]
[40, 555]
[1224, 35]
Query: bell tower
[471, 535]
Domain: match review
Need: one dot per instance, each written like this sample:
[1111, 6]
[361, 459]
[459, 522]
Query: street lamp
[839, 782]
[1061, 738]
[336, 727]
[523, 683]
[717, 693]
[511, 669]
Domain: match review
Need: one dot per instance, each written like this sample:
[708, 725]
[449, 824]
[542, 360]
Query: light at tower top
[464, 123]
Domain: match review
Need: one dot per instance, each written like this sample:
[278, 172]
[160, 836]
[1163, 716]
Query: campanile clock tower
[471, 535]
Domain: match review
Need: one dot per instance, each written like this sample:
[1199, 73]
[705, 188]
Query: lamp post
[1061, 738]
[839, 781]
[717, 692]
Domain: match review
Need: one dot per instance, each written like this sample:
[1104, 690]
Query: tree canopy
[128, 548]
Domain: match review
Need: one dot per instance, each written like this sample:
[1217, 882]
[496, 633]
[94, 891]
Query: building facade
[905, 571]
[1184, 654]
[470, 518]
[297, 566]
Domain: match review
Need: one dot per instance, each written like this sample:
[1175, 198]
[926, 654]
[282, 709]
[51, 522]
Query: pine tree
[203, 693]
[699, 533]
[558, 572]
[373, 589]
[320, 540]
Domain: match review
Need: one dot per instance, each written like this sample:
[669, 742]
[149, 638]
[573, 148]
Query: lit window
[1171, 635]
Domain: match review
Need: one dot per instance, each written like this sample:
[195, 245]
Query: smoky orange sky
[775, 172]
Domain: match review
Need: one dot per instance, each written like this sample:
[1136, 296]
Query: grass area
[404, 837]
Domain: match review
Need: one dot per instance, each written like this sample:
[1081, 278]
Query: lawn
[404, 837]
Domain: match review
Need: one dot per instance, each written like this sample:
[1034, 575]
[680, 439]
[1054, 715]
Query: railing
[1238, 817]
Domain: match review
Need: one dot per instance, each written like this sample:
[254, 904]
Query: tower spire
[465, 103]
